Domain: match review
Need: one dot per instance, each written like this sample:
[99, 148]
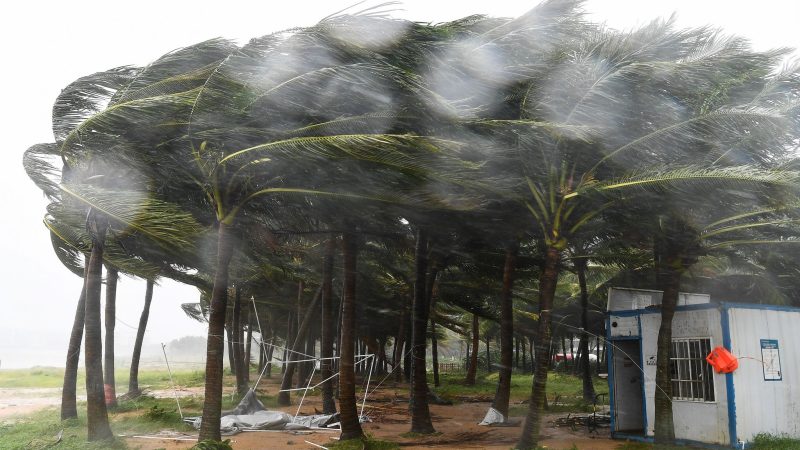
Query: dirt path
[20, 401]
[457, 424]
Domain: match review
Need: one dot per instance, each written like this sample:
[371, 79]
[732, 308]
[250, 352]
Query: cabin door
[628, 402]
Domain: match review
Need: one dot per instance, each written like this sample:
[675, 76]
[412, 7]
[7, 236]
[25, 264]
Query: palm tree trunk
[547, 290]
[586, 373]
[531, 348]
[212, 406]
[287, 342]
[296, 348]
[434, 353]
[418, 403]
[110, 388]
[133, 382]
[247, 347]
[501, 397]
[238, 347]
[96, 412]
[326, 338]
[488, 356]
[311, 350]
[472, 370]
[408, 344]
[350, 425]
[572, 350]
[399, 342]
[269, 355]
[69, 407]
[231, 353]
[433, 272]
[664, 430]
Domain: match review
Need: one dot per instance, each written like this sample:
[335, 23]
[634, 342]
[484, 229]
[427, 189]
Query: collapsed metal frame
[359, 358]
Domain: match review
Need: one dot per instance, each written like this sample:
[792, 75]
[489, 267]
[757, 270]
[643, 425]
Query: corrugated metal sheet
[766, 406]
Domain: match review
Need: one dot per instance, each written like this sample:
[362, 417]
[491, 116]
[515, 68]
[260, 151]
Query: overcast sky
[46, 45]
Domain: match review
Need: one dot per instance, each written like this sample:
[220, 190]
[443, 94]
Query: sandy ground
[19, 401]
[457, 425]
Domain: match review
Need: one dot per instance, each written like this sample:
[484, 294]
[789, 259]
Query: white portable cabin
[761, 396]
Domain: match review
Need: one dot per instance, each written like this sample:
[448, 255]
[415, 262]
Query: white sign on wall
[771, 360]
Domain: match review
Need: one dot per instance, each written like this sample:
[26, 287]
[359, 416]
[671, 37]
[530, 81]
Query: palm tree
[580, 115]
[133, 380]
[112, 275]
[69, 407]
[326, 334]
[420, 414]
[96, 414]
[502, 396]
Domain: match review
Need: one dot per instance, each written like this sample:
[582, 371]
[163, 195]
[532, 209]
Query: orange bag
[722, 360]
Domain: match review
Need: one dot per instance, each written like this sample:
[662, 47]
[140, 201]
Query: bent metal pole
[174, 390]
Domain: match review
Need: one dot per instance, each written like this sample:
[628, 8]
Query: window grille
[692, 377]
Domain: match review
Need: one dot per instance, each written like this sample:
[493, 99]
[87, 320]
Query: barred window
[692, 377]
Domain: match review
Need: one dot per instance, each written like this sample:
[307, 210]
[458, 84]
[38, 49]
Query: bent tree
[198, 161]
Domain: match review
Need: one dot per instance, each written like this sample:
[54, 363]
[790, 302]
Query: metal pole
[366, 391]
[305, 392]
[263, 369]
[174, 391]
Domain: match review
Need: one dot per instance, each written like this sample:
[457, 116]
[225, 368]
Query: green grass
[141, 416]
[53, 377]
[643, 446]
[35, 377]
[760, 442]
[772, 442]
[368, 443]
[566, 390]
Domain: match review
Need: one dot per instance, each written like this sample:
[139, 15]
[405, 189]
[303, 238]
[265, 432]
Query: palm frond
[703, 127]
[68, 228]
[69, 256]
[154, 111]
[692, 174]
[173, 64]
[39, 162]
[87, 96]
[166, 224]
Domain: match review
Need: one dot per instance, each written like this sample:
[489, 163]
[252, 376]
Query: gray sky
[47, 45]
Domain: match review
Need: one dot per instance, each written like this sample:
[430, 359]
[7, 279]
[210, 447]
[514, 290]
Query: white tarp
[260, 420]
[493, 417]
[250, 414]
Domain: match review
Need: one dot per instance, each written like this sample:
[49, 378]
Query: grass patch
[209, 444]
[53, 377]
[143, 415]
[644, 446]
[414, 435]
[772, 442]
[564, 391]
[368, 443]
[39, 431]
[36, 377]
[159, 379]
